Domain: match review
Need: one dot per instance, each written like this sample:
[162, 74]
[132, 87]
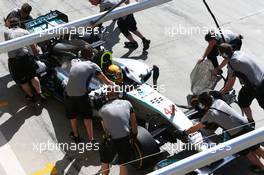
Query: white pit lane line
[8, 160]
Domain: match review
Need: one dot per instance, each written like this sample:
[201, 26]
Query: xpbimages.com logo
[161, 88]
[80, 31]
[176, 30]
[51, 146]
[179, 146]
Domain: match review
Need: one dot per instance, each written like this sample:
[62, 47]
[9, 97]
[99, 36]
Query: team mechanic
[77, 100]
[21, 62]
[126, 24]
[117, 117]
[214, 38]
[250, 74]
[220, 114]
[23, 14]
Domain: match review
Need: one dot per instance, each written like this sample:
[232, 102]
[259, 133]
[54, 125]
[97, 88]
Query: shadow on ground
[73, 162]
[17, 108]
[142, 56]
[113, 36]
[20, 111]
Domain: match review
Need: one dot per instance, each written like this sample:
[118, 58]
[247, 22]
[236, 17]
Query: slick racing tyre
[145, 149]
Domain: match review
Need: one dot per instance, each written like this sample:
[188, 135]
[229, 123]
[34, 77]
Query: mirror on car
[155, 70]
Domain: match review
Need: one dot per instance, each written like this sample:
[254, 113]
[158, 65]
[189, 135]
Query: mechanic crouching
[77, 100]
[220, 114]
[117, 117]
[21, 63]
[23, 14]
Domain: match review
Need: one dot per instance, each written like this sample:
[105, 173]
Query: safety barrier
[214, 154]
[49, 33]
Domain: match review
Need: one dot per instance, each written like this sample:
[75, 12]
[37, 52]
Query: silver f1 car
[159, 117]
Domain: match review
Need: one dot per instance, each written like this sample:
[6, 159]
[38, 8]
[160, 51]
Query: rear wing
[49, 20]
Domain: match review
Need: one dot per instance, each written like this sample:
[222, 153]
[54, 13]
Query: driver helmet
[114, 73]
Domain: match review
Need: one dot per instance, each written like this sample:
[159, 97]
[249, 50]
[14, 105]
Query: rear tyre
[10, 71]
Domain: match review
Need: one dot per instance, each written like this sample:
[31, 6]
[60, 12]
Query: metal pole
[71, 26]
[213, 16]
[214, 154]
[107, 12]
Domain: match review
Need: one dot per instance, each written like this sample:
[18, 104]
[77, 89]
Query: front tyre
[145, 148]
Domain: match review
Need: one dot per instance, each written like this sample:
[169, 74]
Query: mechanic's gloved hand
[217, 71]
[182, 135]
[220, 72]
[106, 138]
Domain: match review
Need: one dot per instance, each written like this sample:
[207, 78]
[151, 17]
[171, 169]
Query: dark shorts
[121, 146]
[246, 95]
[78, 107]
[127, 24]
[22, 69]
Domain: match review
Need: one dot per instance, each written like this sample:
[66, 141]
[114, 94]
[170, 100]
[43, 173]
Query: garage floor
[175, 48]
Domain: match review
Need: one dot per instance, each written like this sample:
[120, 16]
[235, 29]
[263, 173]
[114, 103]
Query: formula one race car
[162, 122]
[159, 117]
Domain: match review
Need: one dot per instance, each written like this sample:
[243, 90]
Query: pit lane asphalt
[174, 50]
